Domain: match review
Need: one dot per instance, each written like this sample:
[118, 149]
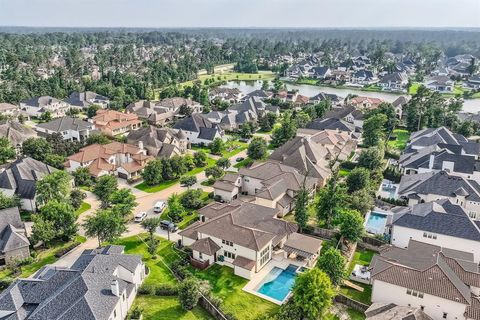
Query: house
[262, 94]
[432, 136]
[8, 109]
[363, 77]
[246, 237]
[311, 153]
[112, 123]
[124, 160]
[440, 84]
[198, 129]
[230, 95]
[431, 186]
[365, 102]
[14, 245]
[151, 112]
[272, 184]
[16, 133]
[396, 81]
[101, 284]
[443, 283]
[235, 116]
[20, 177]
[390, 311]
[474, 82]
[348, 113]
[398, 105]
[440, 157]
[319, 72]
[439, 223]
[159, 142]
[37, 106]
[332, 124]
[85, 99]
[176, 103]
[322, 96]
[71, 129]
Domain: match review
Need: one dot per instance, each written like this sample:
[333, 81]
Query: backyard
[167, 308]
[361, 257]
[231, 76]
[189, 216]
[232, 148]
[401, 138]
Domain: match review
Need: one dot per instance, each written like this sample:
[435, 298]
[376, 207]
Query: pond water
[471, 105]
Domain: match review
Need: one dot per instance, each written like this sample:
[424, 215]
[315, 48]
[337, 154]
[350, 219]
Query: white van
[159, 206]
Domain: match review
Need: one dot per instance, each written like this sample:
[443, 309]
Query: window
[429, 235]
[229, 254]
[420, 295]
[200, 255]
[472, 215]
[114, 314]
[409, 292]
[445, 315]
[123, 297]
[228, 243]
[422, 308]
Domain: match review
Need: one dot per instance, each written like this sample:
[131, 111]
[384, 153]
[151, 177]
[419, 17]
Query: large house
[443, 283]
[396, 81]
[122, 159]
[390, 311]
[9, 110]
[71, 129]
[14, 245]
[113, 123]
[365, 102]
[161, 143]
[363, 77]
[37, 106]
[231, 95]
[16, 133]
[440, 223]
[440, 84]
[272, 184]
[87, 98]
[332, 124]
[311, 153]
[198, 129]
[431, 186]
[100, 285]
[20, 177]
[245, 237]
[151, 112]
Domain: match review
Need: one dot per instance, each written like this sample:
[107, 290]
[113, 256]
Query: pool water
[376, 223]
[392, 191]
[278, 283]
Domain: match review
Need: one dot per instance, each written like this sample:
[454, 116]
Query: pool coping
[258, 278]
[378, 211]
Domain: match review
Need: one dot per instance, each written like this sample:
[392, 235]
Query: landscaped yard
[190, 214]
[362, 257]
[167, 308]
[84, 207]
[44, 257]
[232, 148]
[167, 184]
[401, 139]
[228, 287]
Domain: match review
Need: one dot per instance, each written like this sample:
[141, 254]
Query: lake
[470, 105]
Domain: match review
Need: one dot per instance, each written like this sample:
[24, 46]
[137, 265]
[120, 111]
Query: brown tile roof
[206, 246]
[244, 263]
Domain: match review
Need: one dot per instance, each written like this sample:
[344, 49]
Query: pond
[470, 105]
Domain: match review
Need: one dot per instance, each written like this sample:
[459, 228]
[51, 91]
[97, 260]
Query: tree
[123, 202]
[106, 185]
[82, 177]
[54, 186]
[286, 131]
[178, 166]
[361, 200]
[46, 116]
[175, 208]
[99, 138]
[8, 202]
[92, 110]
[200, 159]
[63, 217]
[373, 130]
[351, 225]
[188, 181]
[265, 85]
[289, 311]
[257, 149]
[333, 264]
[151, 224]
[188, 162]
[371, 158]
[388, 110]
[301, 210]
[189, 293]
[42, 230]
[191, 199]
[55, 160]
[217, 146]
[246, 130]
[105, 225]
[313, 293]
[331, 199]
[359, 178]
[215, 172]
[7, 152]
[152, 174]
[36, 148]
[76, 198]
[223, 163]
[302, 119]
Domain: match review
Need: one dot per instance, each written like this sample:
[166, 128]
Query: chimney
[114, 287]
[140, 144]
[430, 161]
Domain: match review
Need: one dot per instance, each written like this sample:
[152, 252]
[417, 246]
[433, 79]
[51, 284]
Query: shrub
[159, 289]
[189, 293]
[191, 199]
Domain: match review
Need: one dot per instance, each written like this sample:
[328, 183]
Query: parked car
[139, 217]
[159, 206]
[240, 159]
[168, 225]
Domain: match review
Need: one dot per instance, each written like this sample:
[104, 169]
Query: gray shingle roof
[331, 124]
[66, 123]
[12, 230]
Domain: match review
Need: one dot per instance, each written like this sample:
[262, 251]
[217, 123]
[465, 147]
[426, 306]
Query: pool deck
[373, 230]
[277, 261]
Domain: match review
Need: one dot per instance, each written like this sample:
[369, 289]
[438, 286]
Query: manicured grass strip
[228, 287]
[167, 308]
[401, 140]
[84, 207]
[355, 315]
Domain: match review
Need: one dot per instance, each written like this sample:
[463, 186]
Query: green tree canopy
[358, 179]
[257, 149]
[7, 151]
[351, 225]
[106, 185]
[54, 186]
[105, 225]
[333, 263]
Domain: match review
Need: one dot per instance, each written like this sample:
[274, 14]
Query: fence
[323, 233]
[349, 302]
[211, 309]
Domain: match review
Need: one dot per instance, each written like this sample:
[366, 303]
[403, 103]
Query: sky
[241, 13]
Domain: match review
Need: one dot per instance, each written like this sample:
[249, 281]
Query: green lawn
[355, 315]
[308, 81]
[243, 163]
[362, 257]
[44, 257]
[167, 184]
[414, 88]
[235, 148]
[228, 287]
[84, 207]
[190, 214]
[232, 76]
[167, 308]
[401, 140]
[344, 172]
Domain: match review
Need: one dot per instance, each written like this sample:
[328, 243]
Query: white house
[443, 283]
[37, 106]
[71, 129]
[396, 81]
[198, 130]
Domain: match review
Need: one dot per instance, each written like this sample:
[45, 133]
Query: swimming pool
[391, 190]
[278, 283]
[376, 223]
